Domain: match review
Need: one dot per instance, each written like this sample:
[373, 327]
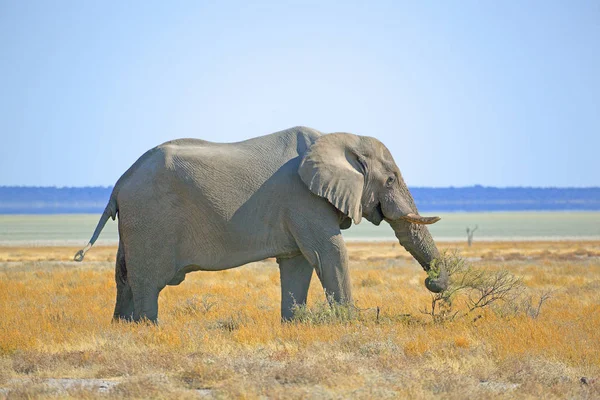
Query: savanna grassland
[220, 335]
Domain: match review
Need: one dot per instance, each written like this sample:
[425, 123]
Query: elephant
[189, 205]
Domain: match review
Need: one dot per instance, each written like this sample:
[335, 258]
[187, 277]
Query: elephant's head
[358, 175]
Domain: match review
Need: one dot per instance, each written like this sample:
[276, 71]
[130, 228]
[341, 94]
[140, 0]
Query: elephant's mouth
[377, 215]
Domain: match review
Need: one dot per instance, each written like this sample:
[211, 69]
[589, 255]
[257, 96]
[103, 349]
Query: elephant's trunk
[418, 241]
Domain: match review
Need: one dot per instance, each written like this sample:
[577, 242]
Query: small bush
[195, 306]
[471, 289]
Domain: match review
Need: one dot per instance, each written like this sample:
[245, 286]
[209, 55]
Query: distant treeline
[51, 200]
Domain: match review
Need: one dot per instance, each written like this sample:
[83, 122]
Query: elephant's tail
[109, 212]
[112, 206]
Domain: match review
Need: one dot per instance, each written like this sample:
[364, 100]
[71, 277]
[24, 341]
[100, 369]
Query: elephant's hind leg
[295, 274]
[124, 304]
[150, 255]
[145, 303]
[146, 282]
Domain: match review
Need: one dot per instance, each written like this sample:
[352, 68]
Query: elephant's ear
[331, 168]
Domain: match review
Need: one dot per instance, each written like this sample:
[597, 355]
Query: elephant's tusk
[417, 219]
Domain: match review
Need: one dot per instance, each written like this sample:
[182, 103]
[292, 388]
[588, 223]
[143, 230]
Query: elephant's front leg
[295, 274]
[329, 257]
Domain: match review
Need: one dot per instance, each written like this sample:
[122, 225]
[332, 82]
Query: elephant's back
[215, 177]
[298, 138]
[244, 164]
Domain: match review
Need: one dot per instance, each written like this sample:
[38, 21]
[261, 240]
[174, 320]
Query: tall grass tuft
[325, 312]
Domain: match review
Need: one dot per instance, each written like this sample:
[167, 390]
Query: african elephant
[190, 205]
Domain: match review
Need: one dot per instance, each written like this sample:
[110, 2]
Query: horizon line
[412, 187]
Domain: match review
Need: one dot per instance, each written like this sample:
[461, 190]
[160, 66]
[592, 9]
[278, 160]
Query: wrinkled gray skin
[191, 205]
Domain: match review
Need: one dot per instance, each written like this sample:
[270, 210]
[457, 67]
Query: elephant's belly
[180, 275]
[228, 261]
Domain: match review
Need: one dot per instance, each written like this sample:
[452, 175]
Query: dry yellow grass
[220, 334]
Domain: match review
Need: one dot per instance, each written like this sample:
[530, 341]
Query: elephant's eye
[390, 181]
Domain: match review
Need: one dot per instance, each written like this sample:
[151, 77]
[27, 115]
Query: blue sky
[463, 93]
